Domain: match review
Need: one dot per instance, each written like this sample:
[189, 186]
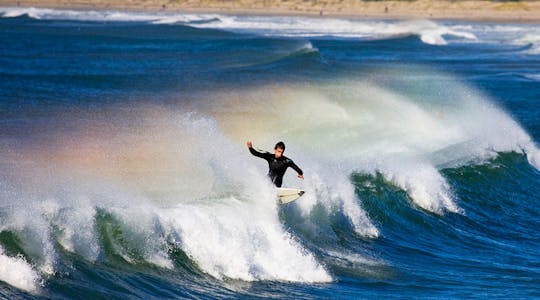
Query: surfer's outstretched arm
[249, 144]
[297, 169]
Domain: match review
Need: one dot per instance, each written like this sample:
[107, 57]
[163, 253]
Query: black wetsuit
[276, 166]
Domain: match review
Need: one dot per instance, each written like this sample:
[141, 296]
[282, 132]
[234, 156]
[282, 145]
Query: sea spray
[358, 125]
[135, 222]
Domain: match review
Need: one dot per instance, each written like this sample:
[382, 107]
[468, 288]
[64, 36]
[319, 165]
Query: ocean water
[124, 172]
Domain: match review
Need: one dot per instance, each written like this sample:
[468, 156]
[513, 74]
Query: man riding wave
[277, 162]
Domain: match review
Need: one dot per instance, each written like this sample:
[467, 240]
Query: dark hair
[280, 145]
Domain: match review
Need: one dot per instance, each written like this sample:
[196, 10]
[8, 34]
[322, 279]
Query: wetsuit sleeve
[257, 153]
[295, 167]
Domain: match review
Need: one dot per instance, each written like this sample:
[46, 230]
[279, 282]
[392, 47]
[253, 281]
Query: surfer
[277, 162]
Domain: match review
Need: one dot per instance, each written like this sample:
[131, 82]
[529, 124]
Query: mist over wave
[167, 184]
[179, 177]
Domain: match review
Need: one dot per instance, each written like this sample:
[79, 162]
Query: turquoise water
[124, 170]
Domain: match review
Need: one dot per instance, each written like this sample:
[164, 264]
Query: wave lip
[531, 40]
[231, 242]
[535, 77]
[430, 32]
[16, 271]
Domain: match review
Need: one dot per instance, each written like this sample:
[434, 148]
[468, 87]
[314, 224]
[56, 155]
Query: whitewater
[124, 170]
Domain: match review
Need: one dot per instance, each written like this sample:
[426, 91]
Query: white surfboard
[286, 195]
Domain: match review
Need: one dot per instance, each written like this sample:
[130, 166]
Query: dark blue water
[124, 172]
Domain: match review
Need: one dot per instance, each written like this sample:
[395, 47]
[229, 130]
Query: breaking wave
[141, 183]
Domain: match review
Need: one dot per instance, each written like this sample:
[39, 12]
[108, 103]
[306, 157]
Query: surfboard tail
[287, 195]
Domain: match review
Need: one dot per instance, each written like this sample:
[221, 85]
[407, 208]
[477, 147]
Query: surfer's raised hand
[249, 144]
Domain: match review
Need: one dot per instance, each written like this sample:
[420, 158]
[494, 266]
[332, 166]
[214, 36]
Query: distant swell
[104, 15]
[429, 32]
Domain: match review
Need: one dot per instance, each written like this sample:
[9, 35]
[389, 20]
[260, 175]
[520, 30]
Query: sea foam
[17, 272]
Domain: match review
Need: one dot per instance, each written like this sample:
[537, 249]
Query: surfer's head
[279, 148]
